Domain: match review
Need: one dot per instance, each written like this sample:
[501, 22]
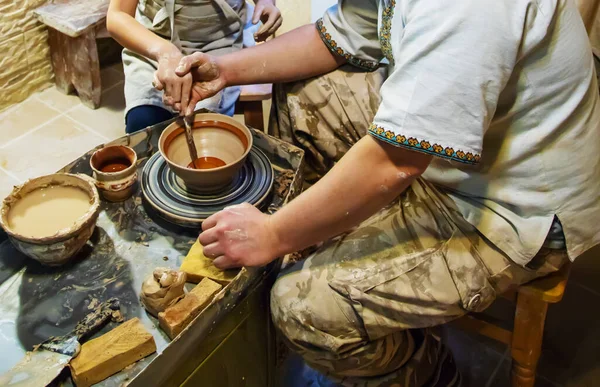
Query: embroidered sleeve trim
[333, 47]
[413, 143]
[385, 32]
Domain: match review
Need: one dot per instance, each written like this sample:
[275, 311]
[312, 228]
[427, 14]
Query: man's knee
[306, 312]
[324, 334]
[289, 316]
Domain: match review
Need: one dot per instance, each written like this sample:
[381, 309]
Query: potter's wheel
[169, 197]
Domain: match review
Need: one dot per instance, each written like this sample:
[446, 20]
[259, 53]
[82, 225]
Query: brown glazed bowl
[57, 249]
[115, 185]
[216, 136]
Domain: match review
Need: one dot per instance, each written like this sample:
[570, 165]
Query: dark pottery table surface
[37, 301]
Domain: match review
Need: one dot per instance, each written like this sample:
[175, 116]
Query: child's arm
[269, 14]
[123, 27]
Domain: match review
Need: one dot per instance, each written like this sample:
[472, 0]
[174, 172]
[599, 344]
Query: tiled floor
[50, 129]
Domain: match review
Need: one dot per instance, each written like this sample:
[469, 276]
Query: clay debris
[162, 289]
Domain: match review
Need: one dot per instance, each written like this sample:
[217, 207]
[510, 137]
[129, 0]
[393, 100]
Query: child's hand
[176, 89]
[269, 14]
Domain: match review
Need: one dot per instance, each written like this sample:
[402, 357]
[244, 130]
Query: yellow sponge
[197, 267]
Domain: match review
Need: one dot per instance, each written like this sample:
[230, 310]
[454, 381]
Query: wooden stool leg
[85, 67]
[253, 114]
[530, 318]
[76, 65]
[59, 53]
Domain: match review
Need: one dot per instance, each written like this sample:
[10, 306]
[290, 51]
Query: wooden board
[197, 266]
[73, 17]
[111, 352]
[260, 92]
[178, 316]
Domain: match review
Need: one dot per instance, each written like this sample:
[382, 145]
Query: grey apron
[216, 27]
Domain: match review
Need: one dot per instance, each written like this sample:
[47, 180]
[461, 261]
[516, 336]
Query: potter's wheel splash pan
[168, 196]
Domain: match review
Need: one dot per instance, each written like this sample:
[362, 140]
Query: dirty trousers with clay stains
[362, 308]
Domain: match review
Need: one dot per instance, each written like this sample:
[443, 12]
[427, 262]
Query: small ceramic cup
[222, 145]
[115, 172]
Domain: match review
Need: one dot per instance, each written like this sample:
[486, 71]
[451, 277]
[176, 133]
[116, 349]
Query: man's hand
[239, 236]
[269, 14]
[207, 78]
[299, 54]
[176, 89]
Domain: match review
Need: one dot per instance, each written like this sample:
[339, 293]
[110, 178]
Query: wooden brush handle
[188, 123]
[69, 344]
[108, 310]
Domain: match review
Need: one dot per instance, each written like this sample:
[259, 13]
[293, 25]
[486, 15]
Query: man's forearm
[298, 54]
[366, 179]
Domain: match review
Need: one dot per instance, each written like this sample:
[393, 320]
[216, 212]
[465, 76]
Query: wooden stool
[525, 339]
[73, 26]
[250, 104]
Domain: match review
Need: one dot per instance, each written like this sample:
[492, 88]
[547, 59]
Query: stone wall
[24, 53]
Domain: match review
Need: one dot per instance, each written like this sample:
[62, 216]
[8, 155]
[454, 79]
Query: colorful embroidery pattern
[385, 32]
[333, 46]
[424, 146]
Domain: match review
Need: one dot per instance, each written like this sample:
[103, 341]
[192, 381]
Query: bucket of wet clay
[50, 218]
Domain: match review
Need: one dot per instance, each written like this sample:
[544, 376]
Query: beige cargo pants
[360, 309]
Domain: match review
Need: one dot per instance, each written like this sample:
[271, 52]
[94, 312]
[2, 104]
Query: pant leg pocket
[469, 274]
[417, 290]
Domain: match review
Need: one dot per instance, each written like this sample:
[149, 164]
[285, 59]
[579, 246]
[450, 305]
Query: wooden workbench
[229, 344]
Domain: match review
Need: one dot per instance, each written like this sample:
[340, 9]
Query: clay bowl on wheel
[222, 144]
[51, 218]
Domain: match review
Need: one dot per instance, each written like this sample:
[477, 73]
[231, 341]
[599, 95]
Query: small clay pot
[217, 137]
[59, 248]
[115, 172]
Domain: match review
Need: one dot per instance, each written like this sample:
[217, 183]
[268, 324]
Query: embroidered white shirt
[503, 93]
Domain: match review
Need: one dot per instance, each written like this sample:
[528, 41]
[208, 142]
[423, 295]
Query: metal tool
[42, 365]
[188, 122]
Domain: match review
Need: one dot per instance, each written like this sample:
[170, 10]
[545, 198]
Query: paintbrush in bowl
[188, 122]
